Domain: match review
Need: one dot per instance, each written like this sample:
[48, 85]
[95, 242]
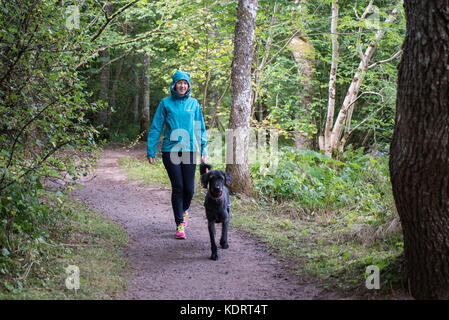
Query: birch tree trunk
[333, 140]
[345, 114]
[419, 162]
[325, 144]
[237, 153]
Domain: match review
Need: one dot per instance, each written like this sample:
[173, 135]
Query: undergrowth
[33, 265]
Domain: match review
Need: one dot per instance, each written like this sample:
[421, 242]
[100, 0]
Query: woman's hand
[204, 158]
[151, 161]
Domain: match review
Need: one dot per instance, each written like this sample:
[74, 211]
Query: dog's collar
[215, 198]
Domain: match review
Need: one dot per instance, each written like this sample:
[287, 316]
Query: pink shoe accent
[180, 233]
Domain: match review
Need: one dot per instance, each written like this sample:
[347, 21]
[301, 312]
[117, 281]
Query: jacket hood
[180, 75]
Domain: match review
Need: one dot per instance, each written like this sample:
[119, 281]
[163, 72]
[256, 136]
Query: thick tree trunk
[145, 119]
[419, 155]
[237, 153]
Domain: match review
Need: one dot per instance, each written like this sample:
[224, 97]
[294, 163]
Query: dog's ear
[205, 179]
[227, 179]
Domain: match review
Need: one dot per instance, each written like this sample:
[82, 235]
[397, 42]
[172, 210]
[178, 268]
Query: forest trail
[170, 269]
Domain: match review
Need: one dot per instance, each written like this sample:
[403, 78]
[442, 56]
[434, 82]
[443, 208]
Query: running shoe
[180, 233]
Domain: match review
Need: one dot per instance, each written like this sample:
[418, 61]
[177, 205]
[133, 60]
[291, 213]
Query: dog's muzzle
[216, 197]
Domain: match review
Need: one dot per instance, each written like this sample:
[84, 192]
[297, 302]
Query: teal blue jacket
[183, 121]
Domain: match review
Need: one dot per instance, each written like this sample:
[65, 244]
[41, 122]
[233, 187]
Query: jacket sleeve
[200, 130]
[154, 133]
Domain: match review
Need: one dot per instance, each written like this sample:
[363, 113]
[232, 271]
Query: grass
[331, 244]
[36, 268]
[148, 174]
[323, 248]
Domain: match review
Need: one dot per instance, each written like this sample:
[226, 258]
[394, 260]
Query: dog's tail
[204, 167]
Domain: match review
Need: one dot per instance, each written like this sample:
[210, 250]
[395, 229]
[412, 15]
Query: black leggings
[181, 171]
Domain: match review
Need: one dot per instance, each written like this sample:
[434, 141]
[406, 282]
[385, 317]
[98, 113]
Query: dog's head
[215, 180]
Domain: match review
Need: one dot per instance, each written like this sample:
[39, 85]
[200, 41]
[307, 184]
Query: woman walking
[184, 129]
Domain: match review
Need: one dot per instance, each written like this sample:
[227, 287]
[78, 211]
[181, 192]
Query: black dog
[216, 204]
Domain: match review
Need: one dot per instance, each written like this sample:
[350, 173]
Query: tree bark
[304, 54]
[419, 161]
[237, 153]
[102, 116]
[345, 113]
[302, 50]
[325, 141]
[115, 85]
[136, 96]
[332, 140]
[145, 120]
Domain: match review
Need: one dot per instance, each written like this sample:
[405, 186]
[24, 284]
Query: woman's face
[182, 86]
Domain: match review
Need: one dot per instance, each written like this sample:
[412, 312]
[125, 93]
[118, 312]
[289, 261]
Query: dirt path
[166, 268]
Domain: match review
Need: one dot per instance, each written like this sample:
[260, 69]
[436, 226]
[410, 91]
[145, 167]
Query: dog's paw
[224, 245]
[214, 257]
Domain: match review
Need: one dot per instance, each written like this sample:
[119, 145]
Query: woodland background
[77, 74]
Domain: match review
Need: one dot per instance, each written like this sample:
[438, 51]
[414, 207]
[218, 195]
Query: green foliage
[44, 125]
[360, 186]
[197, 36]
[51, 85]
[329, 219]
[72, 234]
[21, 212]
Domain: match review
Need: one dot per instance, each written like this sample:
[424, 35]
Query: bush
[21, 212]
[359, 187]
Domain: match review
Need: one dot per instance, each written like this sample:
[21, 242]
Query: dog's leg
[213, 246]
[224, 234]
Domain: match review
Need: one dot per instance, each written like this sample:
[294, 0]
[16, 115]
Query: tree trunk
[333, 140]
[304, 54]
[114, 89]
[237, 153]
[345, 113]
[102, 116]
[302, 50]
[419, 162]
[145, 120]
[325, 142]
[136, 96]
